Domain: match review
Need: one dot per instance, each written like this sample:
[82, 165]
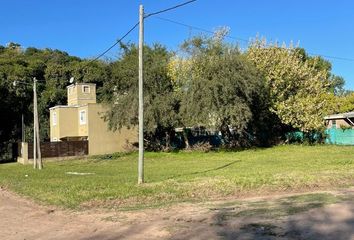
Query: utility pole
[141, 99]
[23, 128]
[36, 140]
[34, 125]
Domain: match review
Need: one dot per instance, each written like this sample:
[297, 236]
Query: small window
[82, 117]
[54, 119]
[86, 89]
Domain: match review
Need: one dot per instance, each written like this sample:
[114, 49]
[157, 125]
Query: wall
[103, 141]
[67, 118]
[77, 97]
[339, 123]
[83, 129]
[54, 130]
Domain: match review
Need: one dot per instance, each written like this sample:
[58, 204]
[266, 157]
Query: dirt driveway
[320, 215]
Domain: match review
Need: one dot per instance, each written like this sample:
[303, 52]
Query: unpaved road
[22, 219]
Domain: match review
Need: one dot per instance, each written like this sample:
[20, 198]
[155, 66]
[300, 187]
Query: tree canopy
[298, 86]
[121, 92]
[218, 88]
[250, 96]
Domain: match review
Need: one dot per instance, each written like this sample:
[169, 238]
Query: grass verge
[177, 177]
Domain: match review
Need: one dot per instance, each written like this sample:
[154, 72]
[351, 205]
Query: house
[81, 120]
[340, 128]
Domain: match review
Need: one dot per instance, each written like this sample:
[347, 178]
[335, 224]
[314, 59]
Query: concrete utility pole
[141, 99]
[23, 128]
[34, 126]
[36, 138]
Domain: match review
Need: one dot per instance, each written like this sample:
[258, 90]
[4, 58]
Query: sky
[85, 28]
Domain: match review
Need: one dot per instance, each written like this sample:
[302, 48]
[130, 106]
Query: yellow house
[81, 120]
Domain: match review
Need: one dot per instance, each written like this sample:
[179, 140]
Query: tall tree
[121, 93]
[298, 87]
[219, 88]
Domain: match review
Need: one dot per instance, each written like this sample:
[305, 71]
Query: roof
[340, 116]
[74, 84]
[63, 106]
[72, 106]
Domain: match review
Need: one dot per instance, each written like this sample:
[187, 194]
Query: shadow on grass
[206, 171]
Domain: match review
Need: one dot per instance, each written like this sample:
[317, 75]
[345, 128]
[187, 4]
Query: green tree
[298, 87]
[336, 83]
[220, 89]
[55, 68]
[160, 105]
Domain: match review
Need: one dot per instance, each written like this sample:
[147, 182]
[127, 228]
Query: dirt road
[322, 216]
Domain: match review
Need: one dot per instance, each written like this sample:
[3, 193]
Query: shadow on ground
[313, 216]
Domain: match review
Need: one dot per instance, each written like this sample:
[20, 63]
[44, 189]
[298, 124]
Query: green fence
[340, 136]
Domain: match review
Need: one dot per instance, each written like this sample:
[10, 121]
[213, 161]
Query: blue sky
[86, 27]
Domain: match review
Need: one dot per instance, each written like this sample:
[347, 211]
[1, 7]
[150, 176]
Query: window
[82, 117]
[54, 120]
[86, 89]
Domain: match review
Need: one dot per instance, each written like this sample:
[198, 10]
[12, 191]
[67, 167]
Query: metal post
[141, 100]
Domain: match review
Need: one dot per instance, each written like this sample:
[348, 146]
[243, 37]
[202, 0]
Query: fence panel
[60, 149]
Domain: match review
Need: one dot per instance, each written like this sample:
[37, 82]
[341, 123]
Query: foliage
[55, 68]
[160, 104]
[346, 103]
[218, 88]
[336, 83]
[298, 87]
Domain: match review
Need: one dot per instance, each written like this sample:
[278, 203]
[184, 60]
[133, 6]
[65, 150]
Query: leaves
[297, 85]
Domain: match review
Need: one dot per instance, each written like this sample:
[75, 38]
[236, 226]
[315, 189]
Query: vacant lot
[183, 176]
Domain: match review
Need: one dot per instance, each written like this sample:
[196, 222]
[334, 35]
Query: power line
[244, 40]
[200, 29]
[118, 41]
[169, 9]
[131, 29]
[332, 57]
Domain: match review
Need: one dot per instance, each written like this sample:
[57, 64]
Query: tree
[219, 88]
[298, 87]
[336, 83]
[160, 105]
[55, 68]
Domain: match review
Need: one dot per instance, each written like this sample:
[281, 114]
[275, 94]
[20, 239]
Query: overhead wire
[169, 9]
[245, 40]
[115, 44]
[137, 24]
[200, 29]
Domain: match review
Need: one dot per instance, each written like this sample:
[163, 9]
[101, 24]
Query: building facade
[82, 120]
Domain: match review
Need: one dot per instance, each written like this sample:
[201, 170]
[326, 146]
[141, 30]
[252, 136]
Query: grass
[177, 177]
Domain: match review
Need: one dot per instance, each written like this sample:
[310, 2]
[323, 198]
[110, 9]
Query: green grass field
[183, 176]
